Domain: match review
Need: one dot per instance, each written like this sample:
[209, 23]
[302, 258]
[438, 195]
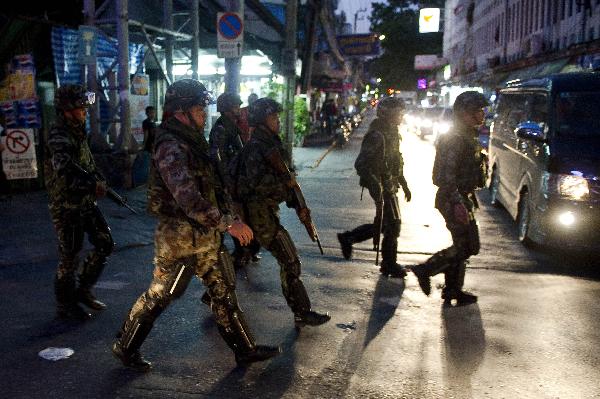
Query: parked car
[545, 158]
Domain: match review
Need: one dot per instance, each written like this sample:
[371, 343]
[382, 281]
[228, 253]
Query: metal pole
[312, 42]
[289, 68]
[168, 24]
[195, 43]
[92, 83]
[125, 139]
[233, 65]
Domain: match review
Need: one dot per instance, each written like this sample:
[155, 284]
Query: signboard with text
[359, 45]
[18, 158]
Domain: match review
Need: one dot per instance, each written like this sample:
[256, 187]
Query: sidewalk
[27, 235]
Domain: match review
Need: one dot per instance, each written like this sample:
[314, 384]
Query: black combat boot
[67, 307]
[72, 311]
[346, 245]
[129, 340]
[85, 296]
[130, 359]
[423, 278]
[310, 318]
[393, 270]
[462, 298]
[259, 354]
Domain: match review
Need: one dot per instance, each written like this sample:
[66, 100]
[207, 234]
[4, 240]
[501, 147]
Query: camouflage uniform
[73, 208]
[382, 176]
[262, 189]
[458, 171]
[225, 142]
[187, 199]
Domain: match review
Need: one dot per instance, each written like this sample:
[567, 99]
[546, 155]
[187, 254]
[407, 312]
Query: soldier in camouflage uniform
[458, 171]
[193, 213]
[261, 189]
[380, 167]
[72, 202]
[225, 142]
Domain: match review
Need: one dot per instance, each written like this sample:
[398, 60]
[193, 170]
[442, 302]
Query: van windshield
[577, 114]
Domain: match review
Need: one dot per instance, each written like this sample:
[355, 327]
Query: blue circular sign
[230, 26]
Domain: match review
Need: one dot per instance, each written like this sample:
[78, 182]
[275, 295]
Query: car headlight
[426, 122]
[571, 187]
[443, 127]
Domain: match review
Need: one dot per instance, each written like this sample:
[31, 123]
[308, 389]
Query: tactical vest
[60, 194]
[160, 200]
[470, 173]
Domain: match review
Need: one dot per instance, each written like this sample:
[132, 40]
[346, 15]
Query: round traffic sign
[17, 142]
[230, 26]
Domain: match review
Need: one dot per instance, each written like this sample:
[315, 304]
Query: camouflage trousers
[390, 229]
[70, 226]
[452, 261]
[269, 232]
[181, 252]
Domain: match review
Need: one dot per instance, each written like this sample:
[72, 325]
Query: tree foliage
[398, 20]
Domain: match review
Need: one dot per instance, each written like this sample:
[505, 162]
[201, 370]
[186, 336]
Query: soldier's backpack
[234, 168]
[364, 161]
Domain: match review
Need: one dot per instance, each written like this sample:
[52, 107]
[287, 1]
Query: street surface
[534, 333]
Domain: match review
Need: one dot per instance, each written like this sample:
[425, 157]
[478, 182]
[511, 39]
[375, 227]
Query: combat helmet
[260, 109]
[184, 94]
[227, 101]
[389, 105]
[470, 101]
[68, 97]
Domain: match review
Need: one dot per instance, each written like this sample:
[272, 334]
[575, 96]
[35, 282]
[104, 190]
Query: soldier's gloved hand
[407, 193]
[304, 215]
[100, 189]
[461, 214]
[241, 231]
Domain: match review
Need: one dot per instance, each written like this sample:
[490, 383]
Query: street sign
[230, 35]
[18, 160]
[429, 20]
[359, 45]
[87, 44]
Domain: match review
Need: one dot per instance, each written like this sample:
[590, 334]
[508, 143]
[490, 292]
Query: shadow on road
[273, 381]
[386, 298]
[464, 338]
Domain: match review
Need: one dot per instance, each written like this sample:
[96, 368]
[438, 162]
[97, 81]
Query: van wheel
[523, 220]
[494, 185]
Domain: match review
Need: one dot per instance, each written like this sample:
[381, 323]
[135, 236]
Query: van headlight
[571, 187]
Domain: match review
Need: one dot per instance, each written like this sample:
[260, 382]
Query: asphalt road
[533, 334]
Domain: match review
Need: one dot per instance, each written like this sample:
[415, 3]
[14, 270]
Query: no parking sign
[18, 157]
[230, 34]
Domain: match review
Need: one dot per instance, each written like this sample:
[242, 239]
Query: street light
[381, 37]
[378, 80]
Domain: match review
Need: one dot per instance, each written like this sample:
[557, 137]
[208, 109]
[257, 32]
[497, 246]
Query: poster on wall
[138, 106]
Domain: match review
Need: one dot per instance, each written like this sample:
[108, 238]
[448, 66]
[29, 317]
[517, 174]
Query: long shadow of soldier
[465, 346]
[337, 377]
[273, 381]
[386, 298]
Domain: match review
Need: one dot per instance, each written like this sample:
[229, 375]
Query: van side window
[516, 111]
[538, 109]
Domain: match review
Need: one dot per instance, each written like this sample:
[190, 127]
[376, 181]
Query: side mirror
[530, 131]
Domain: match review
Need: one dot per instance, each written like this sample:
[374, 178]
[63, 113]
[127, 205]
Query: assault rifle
[110, 193]
[276, 161]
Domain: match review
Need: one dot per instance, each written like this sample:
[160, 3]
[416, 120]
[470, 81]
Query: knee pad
[283, 246]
